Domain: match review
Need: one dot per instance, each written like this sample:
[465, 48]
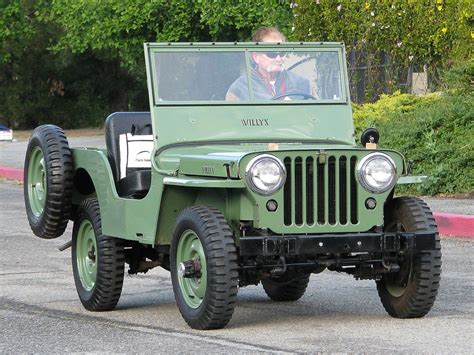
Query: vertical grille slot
[343, 190]
[320, 185]
[320, 193]
[354, 218]
[309, 190]
[287, 203]
[332, 190]
[298, 191]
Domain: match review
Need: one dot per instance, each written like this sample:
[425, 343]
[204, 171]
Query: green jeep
[226, 185]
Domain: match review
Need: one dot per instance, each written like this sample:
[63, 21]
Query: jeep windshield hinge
[322, 157]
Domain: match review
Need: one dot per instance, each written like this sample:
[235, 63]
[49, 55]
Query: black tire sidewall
[286, 288]
[84, 214]
[402, 214]
[422, 283]
[52, 222]
[218, 246]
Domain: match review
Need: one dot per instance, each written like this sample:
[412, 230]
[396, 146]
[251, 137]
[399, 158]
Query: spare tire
[48, 182]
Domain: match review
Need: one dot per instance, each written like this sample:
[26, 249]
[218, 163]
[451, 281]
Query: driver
[270, 79]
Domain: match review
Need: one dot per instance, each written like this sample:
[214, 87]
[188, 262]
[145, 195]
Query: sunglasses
[275, 54]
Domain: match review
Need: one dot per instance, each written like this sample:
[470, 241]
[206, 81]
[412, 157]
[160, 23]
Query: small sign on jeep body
[247, 174]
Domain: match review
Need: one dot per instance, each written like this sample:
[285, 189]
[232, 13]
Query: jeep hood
[223, 160]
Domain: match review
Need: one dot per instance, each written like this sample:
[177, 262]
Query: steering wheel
[305, 95]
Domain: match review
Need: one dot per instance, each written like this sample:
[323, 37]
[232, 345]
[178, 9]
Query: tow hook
[190, 269]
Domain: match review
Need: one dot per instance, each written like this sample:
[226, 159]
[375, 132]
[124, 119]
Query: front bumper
[313, 245]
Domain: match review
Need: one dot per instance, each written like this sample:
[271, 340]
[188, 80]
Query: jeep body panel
[124, 218]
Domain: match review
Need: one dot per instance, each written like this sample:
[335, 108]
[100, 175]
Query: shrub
[435, 130]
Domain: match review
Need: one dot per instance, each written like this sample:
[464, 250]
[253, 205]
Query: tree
[121, 27]
[386, 37]
[38, 85]
[74, 62]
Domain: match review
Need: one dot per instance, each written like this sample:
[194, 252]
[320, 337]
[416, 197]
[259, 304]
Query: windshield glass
[234, 76]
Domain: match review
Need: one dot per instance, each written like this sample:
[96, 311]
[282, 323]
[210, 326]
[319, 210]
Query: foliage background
[436, 131]
[386, 40]
[74, 62]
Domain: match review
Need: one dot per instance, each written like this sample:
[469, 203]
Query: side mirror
[370, 136]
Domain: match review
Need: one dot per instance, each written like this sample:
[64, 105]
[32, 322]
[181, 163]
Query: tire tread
[419, 298]
[111, 261]
[222, 268]
[59, 169]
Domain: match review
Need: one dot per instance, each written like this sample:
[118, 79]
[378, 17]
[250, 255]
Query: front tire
[97, 260]
[202, 238]
[411, 292]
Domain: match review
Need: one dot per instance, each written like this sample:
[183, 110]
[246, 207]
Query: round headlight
[265, 174]
[377, 172]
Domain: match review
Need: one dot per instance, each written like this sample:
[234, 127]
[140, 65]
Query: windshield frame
[306, 47]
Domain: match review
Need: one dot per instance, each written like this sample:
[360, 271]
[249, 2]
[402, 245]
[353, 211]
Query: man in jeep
[270, 79]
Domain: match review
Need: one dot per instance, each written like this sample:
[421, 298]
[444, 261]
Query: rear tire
[284, 289]
[48, 182]
[411, 292]
[97, 260]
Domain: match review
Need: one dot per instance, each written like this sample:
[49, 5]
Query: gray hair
[262, 32]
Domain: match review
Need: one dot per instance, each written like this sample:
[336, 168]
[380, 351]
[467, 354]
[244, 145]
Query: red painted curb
[11, 173]
[455, 224]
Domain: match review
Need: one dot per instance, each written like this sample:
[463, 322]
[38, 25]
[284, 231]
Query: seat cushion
[136, 184]
[120, 123]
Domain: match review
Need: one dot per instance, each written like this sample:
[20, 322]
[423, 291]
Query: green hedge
[435, 130]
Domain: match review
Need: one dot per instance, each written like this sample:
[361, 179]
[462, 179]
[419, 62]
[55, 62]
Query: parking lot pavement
[462, 206]
[12, 154]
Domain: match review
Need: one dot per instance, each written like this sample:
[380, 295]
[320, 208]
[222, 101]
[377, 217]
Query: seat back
[121, 123]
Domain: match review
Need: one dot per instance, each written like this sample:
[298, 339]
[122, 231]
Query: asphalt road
[40, 310]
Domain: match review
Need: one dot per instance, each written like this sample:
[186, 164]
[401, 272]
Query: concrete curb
[451, 225]
[11, 173]
[458, 225]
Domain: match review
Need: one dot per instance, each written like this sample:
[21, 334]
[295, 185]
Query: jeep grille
[320, 192]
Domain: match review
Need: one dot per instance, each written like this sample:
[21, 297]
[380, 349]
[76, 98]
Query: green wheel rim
[190, 248]
[86, 255]
[37, 182]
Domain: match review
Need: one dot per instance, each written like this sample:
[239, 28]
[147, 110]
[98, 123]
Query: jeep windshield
[245, 75]
[248, 92]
